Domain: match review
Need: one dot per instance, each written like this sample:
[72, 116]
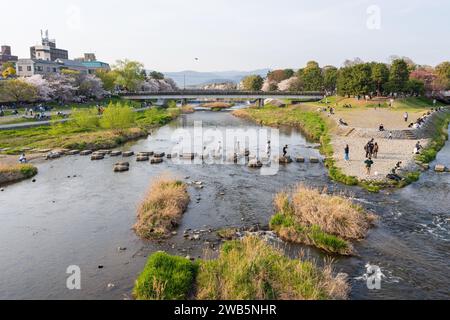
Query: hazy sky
[168, 35]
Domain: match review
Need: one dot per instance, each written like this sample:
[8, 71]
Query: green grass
[312, 235]
[404, 104]
[165, 277]
[73, 135]
[438, 140]
[251, 269]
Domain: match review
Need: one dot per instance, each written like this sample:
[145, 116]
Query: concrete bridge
[185, 95]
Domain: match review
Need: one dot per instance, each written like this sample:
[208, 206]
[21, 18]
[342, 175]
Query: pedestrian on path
[369, 163]
[347, 154]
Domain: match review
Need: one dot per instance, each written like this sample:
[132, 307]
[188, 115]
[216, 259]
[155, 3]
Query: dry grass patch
[328, 222]
[251, 269]
[162, 207]
[16, 172]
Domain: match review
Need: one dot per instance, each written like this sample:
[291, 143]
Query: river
[79, 212]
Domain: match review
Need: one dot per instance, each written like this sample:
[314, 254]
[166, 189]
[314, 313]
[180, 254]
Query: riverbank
[82, 134]
[325, 128]
[12, 173]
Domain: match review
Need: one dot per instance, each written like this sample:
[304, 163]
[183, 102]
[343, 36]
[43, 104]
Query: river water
[79, 212]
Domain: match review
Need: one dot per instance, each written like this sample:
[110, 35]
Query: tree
[253, 83]
[330, 74]
[129, 74]
[108, 78]
[17, 90]
[398, 76]
[355, 80]
[311, 76]
[44, 91]
[289, 73]
[9, 72]
[415, 87]
[63, 87]
[443, 74]
[352, 63]
[428, 77]
[156, 75]
[277, 76]
[90, 86]
[85, 119]
[380, 75]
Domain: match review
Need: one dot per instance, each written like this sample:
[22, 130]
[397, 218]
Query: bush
[85, 119]
[251, 269]
[162, 207]
[165, 278]
[327, 222]
[117, 117]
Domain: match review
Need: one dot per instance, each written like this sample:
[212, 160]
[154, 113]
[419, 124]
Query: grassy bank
[161, 209]
[412, 104]
[309, 122]
[429, 153]
[247, 269]
[310, 217]
[15, 173]
[165, 277]
[87, 131]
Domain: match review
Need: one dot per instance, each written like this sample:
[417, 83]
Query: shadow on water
[79, 213]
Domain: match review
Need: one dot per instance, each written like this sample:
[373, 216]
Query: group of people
[371, 148]
[421, 121]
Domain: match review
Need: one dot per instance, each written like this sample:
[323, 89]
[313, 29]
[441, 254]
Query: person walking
[347, 154]
[376, 148]
[369, 163]
[268, 149]
[406, 116]
[285, 151]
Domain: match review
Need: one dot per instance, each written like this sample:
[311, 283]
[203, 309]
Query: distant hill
[195, 78]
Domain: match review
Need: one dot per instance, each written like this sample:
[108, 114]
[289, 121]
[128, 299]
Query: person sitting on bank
[22, 158]
[381, 128]
[343, 123]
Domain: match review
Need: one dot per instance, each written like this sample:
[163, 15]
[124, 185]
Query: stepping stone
[159, 155]
[86, 152]
[314, 160]
[145, 154]
[156, 160]
[72, 152]
[121, 168]
[126, 164]
[53, 155]
[255, 164]
[285, 160]
[116, 153]
[128, 154]
[105, 151]
[439, 168]
[98, 156]
[300, 160]
[169, 156]
[142, 158]
[188, 156]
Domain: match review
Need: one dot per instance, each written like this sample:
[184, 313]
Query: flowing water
[79, 212]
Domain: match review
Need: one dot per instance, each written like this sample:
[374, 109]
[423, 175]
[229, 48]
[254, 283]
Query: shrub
[251, 269]
[165, 277]
[117, 117]
[325, 221]
[85, 119]
[162, 207]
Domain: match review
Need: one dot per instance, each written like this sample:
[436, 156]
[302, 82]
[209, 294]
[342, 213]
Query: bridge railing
[223, 93]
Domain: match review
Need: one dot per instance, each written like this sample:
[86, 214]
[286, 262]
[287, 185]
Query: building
[47, 50]
[6, 56]
[31, 67]
[90, 62]
[73, 65]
